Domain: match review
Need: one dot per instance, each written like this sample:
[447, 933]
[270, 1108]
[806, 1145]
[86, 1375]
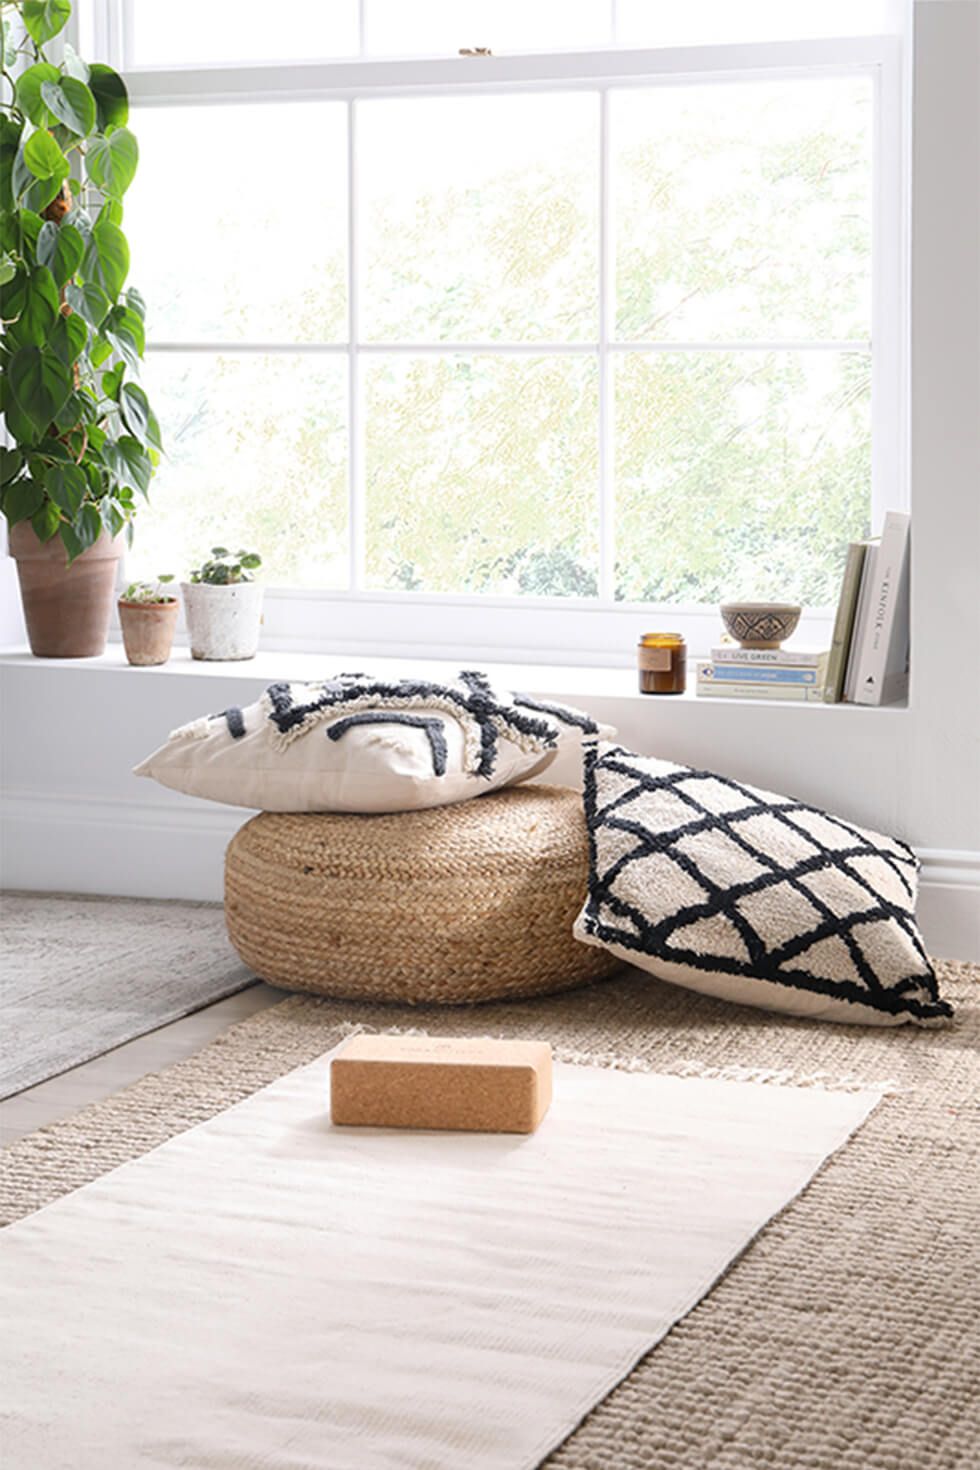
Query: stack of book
[868, 659]
[763, 673]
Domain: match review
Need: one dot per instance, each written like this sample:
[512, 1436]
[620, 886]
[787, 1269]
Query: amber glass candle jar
[662, 662]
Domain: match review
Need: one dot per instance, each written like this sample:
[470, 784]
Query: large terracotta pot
[148, 630]
[66, 608]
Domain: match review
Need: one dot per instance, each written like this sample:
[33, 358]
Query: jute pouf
[462, 903]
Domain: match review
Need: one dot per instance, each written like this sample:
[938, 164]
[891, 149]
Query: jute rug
[82, 974]
[845, 1338]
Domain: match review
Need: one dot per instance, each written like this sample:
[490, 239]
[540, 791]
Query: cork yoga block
[455, 904]
[456, 1083]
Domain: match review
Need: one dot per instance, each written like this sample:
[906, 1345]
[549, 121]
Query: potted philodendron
[148, 617]
[81, 438]
[223, 605]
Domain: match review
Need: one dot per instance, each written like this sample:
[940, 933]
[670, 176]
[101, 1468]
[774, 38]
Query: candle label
[656, 660]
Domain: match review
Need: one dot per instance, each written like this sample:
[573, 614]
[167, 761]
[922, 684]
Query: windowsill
[573, 682]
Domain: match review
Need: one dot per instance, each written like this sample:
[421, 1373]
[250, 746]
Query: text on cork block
[473, 1084]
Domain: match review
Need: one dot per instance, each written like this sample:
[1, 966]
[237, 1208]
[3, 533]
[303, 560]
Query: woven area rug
[845, 1338]
[81, 975]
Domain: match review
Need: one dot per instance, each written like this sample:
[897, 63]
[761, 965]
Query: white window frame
[557, 629]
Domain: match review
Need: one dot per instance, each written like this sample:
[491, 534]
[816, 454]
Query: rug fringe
[775, 1076]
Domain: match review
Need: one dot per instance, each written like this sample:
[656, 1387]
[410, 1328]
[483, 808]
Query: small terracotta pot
[66, 608]
[148, 630]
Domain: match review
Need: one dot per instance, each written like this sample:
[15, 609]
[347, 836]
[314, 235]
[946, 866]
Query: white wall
[76, 819]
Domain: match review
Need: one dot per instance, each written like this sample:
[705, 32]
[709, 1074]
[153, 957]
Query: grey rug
[81, 975]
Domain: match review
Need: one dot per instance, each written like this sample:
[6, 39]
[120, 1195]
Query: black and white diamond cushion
[750, 896]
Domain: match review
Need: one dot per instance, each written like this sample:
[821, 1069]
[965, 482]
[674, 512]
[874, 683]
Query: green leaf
[40, 384]
[28, 92]
[93, 473]
[111, 100]
[46, 521]
[40, 194]
[107, 258]
[112, 381]
[44, 158]
[39, 311]
[45, 18]
[111, 162]
[10, 136]
[66, 484]
[112, 210]
[30, 225]
[99, 350]
[11, 464]
[123, 321]
[135, 301]
[137, 414]
[52, 449]
[72, 103]
[60, 248]
[129, 462]
[88, 524]
[21, 500]
[74, 65]
[116, 515]
[90, 301]
[8, 269]
[70, 413]
[19, 426]
[70, 541]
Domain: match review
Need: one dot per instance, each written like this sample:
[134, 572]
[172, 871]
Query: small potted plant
[223, 604]
[148, 616]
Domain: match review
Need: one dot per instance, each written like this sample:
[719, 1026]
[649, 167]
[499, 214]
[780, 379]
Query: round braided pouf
[455, 904]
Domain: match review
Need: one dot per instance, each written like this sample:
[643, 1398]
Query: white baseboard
[164, 850]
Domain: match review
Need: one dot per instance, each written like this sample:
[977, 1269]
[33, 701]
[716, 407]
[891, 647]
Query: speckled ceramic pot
[223, 622]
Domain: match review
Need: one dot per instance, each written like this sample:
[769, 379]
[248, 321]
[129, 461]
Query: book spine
[888, 607]
[756, 674]
[861, 630]
[844, 622]
[798, 658]
[712, 689]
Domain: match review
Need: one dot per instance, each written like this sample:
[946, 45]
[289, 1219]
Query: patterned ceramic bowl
[760, 624]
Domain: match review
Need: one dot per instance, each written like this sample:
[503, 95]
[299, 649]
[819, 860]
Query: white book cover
[861, 621]
[882, 672]
[794, 658]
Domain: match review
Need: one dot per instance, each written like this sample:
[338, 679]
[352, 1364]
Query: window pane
[740, 474]
[743, 211]
[697, 22]
[221, 260]
[195, 32]
[442, 27]
[480, 218]
[481, 474]
[256, 457]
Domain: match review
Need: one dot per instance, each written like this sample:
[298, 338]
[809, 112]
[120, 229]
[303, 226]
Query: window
[508, 351]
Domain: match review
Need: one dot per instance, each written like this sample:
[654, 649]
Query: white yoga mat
[267, 1292]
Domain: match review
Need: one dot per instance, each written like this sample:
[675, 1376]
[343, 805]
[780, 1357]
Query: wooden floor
[48, 1101]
